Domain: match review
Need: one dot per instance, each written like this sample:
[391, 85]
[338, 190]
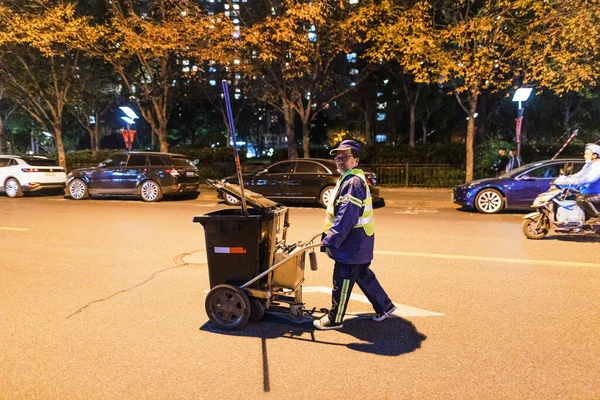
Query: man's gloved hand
[323, 249]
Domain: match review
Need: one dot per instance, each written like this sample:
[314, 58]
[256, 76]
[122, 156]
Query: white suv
[30, 174]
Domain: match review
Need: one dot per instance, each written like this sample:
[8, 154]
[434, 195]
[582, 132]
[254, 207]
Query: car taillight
[30, 170]
[173, 172]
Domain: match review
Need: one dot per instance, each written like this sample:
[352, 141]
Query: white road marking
[414, 211]
[401, 309]
[494, 259]
[8, 228]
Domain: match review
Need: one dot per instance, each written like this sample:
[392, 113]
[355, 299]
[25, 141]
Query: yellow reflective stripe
[355, 200]
[343, 298]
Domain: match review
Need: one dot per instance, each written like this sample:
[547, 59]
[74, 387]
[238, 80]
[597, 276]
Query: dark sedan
[515, 189]
[149, 175]
[311, 179]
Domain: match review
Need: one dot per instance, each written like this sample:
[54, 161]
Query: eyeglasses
[341, 159]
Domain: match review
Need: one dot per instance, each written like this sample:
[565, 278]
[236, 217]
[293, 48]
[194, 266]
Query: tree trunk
[57, 127]
[2, 137]
[288, 114]
[228, 133]
[424, 127]
[471, 136]
[411, 131]
[162, 137]
[305, 146]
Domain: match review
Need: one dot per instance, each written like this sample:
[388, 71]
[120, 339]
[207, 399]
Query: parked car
[20, 175]
[149, 175]
[515, 189]
[311, 179]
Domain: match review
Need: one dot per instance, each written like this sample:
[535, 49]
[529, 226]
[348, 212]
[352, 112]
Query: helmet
[594, 148]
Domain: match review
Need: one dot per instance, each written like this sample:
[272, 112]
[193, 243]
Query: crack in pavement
[177, 260]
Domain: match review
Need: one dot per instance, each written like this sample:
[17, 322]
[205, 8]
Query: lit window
[212, 82]
[186, 62]
[382, 106]
[380, 116]
[226, 13]
[236, 62]
[186, 69]
[352, 83]
[226, 6]
[236, 21]
[237, 96]
[351, 58]
[353, 1]
[385, 81]
[379, 94]
[236, 34]
[212, 69]
[353, 71]
[236, 6]
[380, 138]
[238, 76]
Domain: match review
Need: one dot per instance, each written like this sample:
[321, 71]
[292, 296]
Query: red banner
[519, 122]
[128, 137]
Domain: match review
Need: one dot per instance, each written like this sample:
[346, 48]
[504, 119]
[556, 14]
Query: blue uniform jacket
[587, 181]
[343, 242]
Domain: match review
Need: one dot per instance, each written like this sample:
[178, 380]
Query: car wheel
[489, 201]
[326, 196]
[12, 188]
[231, 200]
[150, 191]
[78, 190]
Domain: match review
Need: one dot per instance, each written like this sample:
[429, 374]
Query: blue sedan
[515, 189]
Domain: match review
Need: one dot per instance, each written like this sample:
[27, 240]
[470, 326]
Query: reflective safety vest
[366, 219]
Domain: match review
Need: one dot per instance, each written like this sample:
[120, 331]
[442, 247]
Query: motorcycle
[558, 211]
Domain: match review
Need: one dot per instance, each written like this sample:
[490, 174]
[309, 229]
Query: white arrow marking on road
[401, 309]
[8, 228]
[494, 259]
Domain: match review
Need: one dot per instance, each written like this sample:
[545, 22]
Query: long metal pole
[238, 166]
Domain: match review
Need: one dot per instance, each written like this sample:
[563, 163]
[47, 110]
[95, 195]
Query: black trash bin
[237, 245]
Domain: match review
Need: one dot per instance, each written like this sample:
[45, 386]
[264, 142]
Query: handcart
[251, 267]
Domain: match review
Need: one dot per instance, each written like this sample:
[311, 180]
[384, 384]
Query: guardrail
[418, 175]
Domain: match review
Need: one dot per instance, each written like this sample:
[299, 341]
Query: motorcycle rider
[587, 181]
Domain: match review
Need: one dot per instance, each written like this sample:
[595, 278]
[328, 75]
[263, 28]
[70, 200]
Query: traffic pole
[238, 166]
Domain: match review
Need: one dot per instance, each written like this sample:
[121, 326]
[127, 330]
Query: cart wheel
[296, 312]
[228, 307]
[257, 309]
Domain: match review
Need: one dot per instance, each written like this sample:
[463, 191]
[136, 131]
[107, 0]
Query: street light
[128, 134]
[521, 95]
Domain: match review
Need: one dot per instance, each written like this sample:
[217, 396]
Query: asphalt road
[104, 299]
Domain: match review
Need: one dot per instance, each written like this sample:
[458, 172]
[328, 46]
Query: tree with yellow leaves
[463, 43]
[293, 51]
[153, 49]
[40, 46]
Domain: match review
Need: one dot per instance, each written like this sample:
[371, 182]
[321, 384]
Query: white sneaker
[385, 314]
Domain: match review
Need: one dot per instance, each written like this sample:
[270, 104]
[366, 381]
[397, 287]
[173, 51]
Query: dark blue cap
[347, 145]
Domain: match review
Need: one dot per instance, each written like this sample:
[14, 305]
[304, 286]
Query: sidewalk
[394, 197]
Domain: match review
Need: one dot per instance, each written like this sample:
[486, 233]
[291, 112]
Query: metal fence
[418, 175]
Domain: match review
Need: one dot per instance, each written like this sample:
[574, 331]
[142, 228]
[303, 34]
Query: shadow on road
[394, 337]
[575, 238]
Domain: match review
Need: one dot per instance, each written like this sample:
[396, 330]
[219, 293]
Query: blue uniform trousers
[344, 277]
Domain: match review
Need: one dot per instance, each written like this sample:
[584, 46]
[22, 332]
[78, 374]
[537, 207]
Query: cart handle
[293, 253]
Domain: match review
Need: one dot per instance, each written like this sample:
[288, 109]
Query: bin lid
[256, 200]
